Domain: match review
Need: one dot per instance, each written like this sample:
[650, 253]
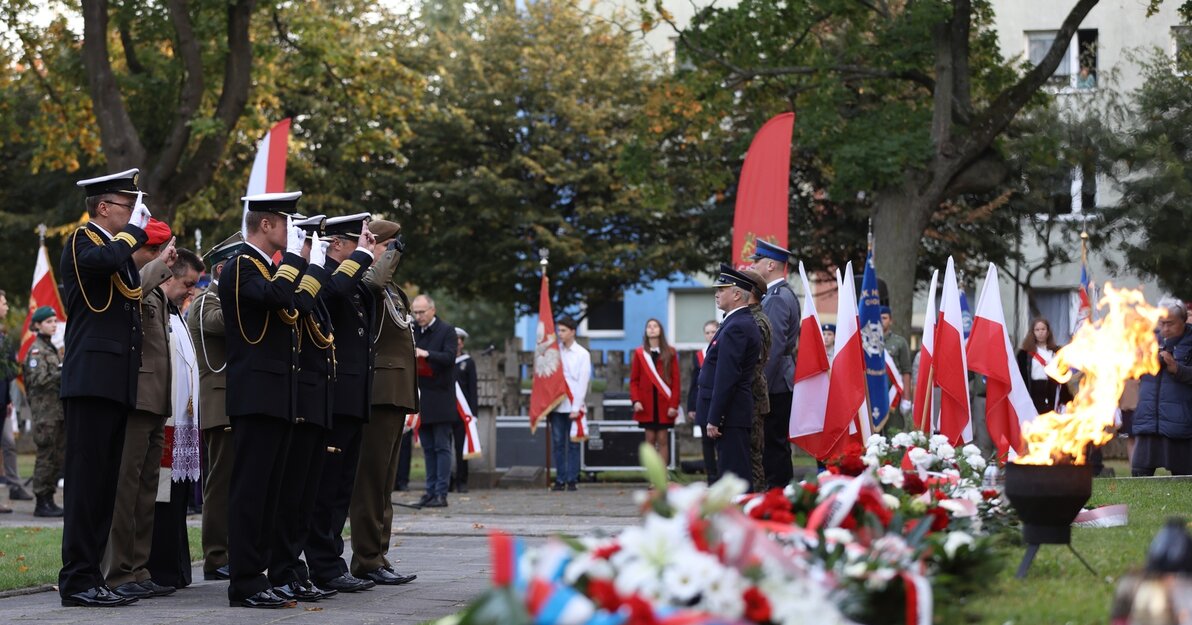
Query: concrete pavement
[447, 548]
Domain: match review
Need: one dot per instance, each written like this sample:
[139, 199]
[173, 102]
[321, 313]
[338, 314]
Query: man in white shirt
[577, 369]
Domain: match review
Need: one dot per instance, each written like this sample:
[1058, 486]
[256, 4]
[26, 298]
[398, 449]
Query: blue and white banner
[873, 343]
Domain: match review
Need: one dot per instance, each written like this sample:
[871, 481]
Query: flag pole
[543, 255]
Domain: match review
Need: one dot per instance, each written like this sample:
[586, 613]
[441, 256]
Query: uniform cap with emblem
[42, 313]
[157, 231]
[223, 250]
[123, 182]
[313, 225]
[384, 229]
[461, 333]
[770, 251]
[828, 327]
[349, 226]
[731, 277]
[281, 203]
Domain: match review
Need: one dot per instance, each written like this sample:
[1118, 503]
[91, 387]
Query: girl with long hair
[1038, 350]
[654, 387]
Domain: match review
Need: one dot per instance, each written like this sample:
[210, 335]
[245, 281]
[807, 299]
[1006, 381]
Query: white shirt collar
[771, 284]
[734, 310]
[268, 258]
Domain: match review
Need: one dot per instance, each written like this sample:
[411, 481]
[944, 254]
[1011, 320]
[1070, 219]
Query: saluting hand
[367, 240]
[140, 213]
[295, 237]
[169, 253]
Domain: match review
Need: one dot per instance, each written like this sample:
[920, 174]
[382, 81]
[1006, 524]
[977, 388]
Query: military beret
[759, 283]
[158, 232]
[884, 310]
[384, 229]
[42, 313]
[828, 327]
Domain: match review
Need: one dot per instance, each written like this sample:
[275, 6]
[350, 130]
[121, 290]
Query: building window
[690, 310]
[1078, 68]
[606, 319]
[1076, 192]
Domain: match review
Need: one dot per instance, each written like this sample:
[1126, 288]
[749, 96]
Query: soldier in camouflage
[43, 377]
[761, 394]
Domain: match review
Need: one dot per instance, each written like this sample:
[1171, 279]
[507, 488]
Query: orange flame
[1121, 345]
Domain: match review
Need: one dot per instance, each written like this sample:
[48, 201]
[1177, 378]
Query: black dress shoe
[221, 573]
[558, 487]
[157, 590]
[18, 493]
[98, 597]
[346, 583]
[462, 488]
[295, 591]
[322, 593]
[572, 487]
[133, 590]
[436, 502]
[386, 577]
[263, 599]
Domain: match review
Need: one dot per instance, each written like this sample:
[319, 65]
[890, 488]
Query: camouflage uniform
[43, 377]
[761, 398]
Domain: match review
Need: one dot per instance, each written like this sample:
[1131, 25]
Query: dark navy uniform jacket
[103, 338]
[726, 379]
[351, 307]
[260, 321]
[316, 354]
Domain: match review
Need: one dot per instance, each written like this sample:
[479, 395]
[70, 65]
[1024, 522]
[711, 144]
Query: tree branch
[961, 27]
[192, 90]
[121, 143]
[130, 52]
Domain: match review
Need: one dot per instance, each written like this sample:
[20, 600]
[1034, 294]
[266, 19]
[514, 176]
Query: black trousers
[709, 448]
[776, 455]
[169, 557]
[459, 432]
[325, 542]
[259, 444]
[94, 443]
[732, 449]
[401, 481]
[304, 469]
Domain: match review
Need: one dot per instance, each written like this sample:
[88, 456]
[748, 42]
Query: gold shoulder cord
[125, 290]
[320, 340]
[238, 321]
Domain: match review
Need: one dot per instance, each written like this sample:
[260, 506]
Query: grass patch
[31, 556]
[1058, 589]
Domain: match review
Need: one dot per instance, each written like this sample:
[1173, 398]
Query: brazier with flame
[1051, 481]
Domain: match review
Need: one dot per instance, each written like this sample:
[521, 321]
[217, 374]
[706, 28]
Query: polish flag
[1008, 402]
[895, 376]
[43, 293]
[845, 412]
[951, 366]
[810, 395]
[471, 431]
[268, 173]
[926, 380]
[549, 388]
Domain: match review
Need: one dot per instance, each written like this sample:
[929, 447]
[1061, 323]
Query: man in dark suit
[707, 445]
[394, 395]
[434, 346]
[206, 325]
[350, 306]
[726, 378]
[99, 375]
[782, 309]
[262, 341]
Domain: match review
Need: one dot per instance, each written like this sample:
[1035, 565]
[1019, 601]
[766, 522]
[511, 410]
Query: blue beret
[885, 310]
[828, 327]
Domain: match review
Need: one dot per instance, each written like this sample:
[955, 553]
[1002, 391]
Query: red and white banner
[809, 401]
[471, 432]
[655, 378]
[763, 192]
[43, 293]
[1008, 404]
[268, 173]
[579, 427]
[925, 382]
[845, 416]
[951, 365]
[896, 390]
[549, 388]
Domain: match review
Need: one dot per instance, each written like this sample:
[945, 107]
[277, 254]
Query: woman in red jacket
[654, 387]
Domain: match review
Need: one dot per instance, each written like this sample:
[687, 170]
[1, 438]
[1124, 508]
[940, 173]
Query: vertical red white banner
[763, 192]
[43, 293]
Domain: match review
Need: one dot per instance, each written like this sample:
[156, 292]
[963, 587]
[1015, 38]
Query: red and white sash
[471, 433]
[654, 377]
[412, 423]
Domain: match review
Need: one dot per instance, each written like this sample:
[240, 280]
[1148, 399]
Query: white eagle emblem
[872, 339]
[546, 360]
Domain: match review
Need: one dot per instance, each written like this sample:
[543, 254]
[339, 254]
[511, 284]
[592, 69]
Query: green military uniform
[43, 381]
[761, 398]
[900, 352]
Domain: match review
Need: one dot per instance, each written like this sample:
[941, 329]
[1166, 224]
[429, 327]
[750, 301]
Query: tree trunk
[899, 218]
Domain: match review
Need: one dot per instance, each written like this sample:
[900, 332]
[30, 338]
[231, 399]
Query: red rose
[811, 488]
[773, 506]
[913, 484]
[990, 493]
[606, 551]
[757, 606]
[939, 519]
[640, 612]
[852, 465]
[602, 592]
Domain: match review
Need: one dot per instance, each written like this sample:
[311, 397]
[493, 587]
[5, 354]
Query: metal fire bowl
[1048, 498]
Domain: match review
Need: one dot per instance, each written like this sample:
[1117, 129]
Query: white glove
[318, 252]
[905, 406]
[295, 237]
[140, 213]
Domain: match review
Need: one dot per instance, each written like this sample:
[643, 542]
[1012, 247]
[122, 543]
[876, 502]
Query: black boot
[46, 507]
